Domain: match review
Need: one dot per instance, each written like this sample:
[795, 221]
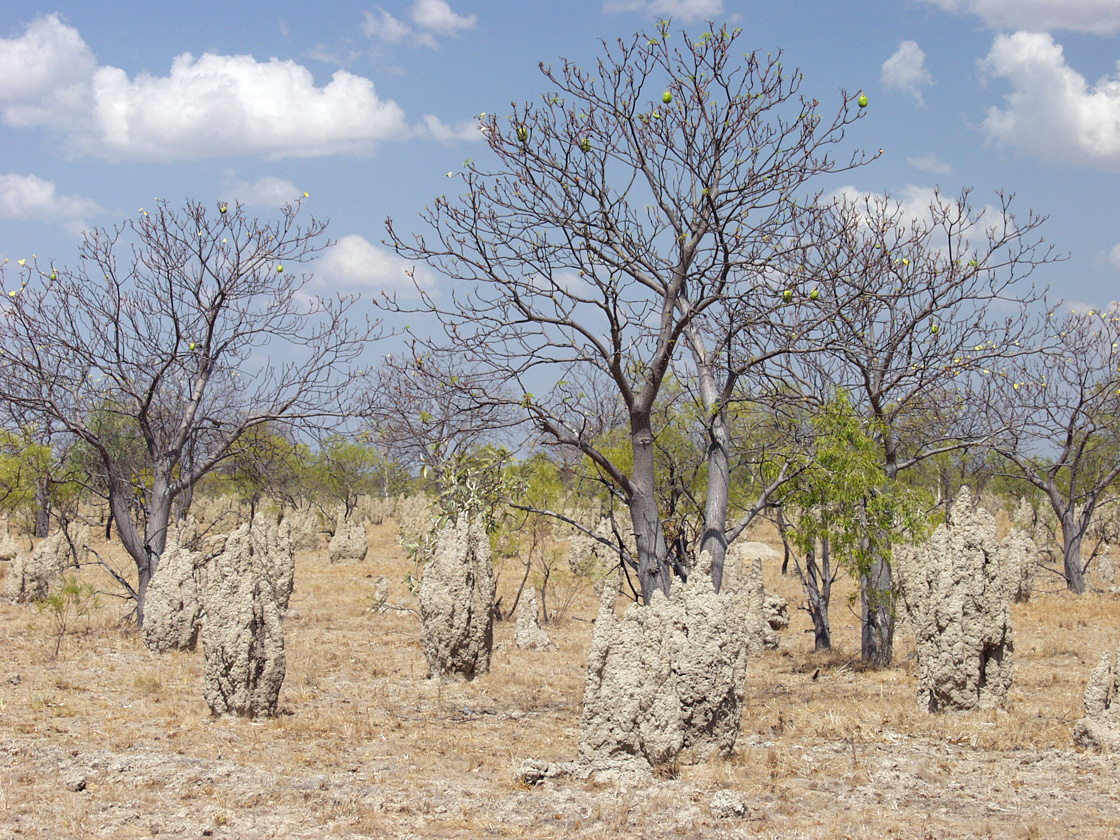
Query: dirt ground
[108, 741]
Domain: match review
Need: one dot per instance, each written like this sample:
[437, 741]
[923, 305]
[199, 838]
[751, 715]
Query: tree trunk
[653, 554]
[146, 551]
[817, 581]
[42, 507]
[877, 614]
[714, 538]
[1071, 554]
[1073, 523]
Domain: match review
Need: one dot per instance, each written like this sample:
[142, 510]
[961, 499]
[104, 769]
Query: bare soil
[108, 741]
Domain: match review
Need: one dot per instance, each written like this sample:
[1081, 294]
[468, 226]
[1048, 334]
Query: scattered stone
[456, 602]
[764, 614]
[533, 771]
[665, 681]
[75, 781]
[349, 544]
[956, 591]
[529, 633]
[242, 636]
[725, 805]
[173, 608]
[380, 594]
[1100, 728]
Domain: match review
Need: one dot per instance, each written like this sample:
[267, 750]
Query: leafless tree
[629, 228]
[933, 298]
[186, 328]
[1062, 409]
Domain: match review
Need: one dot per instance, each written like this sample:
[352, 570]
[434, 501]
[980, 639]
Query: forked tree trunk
[145, 551]
[817, 581]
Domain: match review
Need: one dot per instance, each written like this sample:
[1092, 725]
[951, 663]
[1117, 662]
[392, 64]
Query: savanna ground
[108, 741]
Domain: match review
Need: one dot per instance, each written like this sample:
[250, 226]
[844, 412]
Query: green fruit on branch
[666, 97]
[815, 294]
[787, 295]
[933, 329]
[862, 101]
[585, 144]
[522, 133]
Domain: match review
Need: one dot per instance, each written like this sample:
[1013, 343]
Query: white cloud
[1114, 256]
[467, 130]
[906, 70]
[29, 197]
[680, 11]
[436, 16]
[1100, 17]
[210, 106]
[264, 192]
[356, 264]
[930, 163]
[46, 71]
[1053, 113]
[384, 27]
[430, 18]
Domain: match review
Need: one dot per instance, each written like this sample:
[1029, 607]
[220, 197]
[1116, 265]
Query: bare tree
[190, 328]
[932, 299]
[1062, 407]
[630, 228]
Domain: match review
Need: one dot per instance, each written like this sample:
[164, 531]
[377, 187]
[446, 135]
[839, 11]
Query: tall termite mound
[956, 591]
[173, 607]
[241, 632]
[456, 602]
[1100, 728]
[764, 613]
[33, 576]
[349, 544]
[665, 680]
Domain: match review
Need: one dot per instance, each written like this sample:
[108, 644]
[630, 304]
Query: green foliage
[265, 463]
[66, 605]
[474, 483]
[31, 476]
[842, 493]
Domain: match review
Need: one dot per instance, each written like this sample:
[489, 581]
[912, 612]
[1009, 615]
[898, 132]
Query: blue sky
[105, 107]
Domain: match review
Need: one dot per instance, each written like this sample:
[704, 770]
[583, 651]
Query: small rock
[726, 806]
[75, 781]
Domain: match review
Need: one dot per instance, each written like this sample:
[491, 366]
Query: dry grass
[108, 741]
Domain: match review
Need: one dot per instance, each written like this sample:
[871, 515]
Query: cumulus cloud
[210, 106]
[1114, 257]
[264, 192]
[29, 197]
[1100, 17]
[1052, 113]
[681, 11]
[356, 264]
[906, 70]
[429, 19]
